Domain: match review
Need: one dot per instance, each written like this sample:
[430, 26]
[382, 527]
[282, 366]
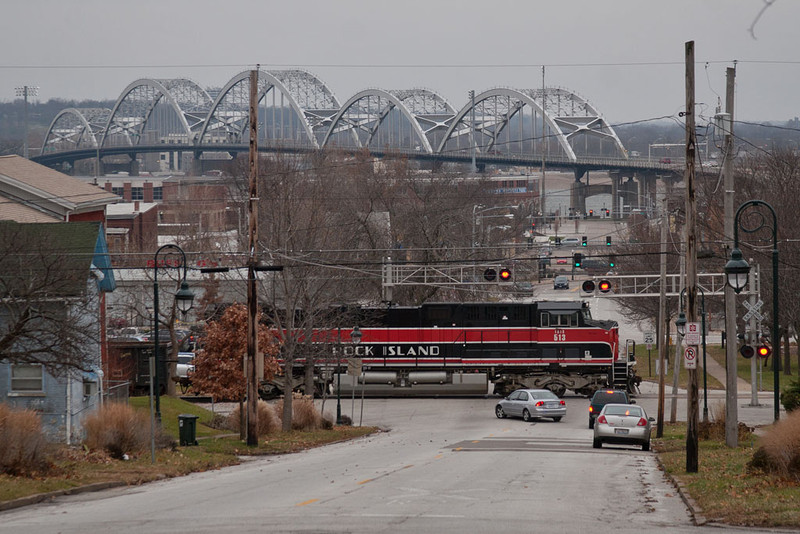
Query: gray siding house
[57, 274]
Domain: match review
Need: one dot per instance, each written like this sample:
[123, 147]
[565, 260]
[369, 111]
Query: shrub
[790, 397]
[24, 449]
[268, 421]
[780, 448]
[119, 430]
[305, 415]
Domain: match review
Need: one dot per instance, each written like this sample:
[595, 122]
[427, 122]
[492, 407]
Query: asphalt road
[446, 465]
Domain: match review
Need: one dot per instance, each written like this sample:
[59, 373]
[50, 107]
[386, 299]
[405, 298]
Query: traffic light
[588, 286]
[612, 260]
[608, 240]
[505, 275]
[604, 286]
[490, 275]
[747, 351]
[583, 241]
[607, 213]
[577, 259]
[591, 213]
[558, 241]
[764, 351]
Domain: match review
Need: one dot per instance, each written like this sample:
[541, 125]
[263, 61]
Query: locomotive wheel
[526, 416]
[498, 411]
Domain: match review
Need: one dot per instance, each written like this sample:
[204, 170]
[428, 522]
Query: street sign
[693, 331]
[649, 339]
[690, 357]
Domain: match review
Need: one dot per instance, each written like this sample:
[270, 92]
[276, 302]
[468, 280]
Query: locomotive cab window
[559, 320]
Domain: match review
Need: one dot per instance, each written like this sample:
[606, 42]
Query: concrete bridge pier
[133, 166]
[577, 194]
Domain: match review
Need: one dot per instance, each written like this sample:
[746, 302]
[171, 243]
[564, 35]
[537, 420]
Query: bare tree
[49, 313]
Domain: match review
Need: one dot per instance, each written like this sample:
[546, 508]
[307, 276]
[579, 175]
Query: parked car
[606, 396]
[561, 282]
[530, 404]
[185, 364]
[569, 241]
[625, 424]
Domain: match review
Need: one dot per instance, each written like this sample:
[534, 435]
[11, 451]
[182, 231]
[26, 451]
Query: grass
[76, 467]
[724, 488]
[646, 368]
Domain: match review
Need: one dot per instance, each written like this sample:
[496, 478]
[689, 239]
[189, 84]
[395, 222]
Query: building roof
[127, 210]
[47, 190]
[11, 210]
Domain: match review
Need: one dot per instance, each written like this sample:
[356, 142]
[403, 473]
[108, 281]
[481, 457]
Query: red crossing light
[764, 351]
[604, 286]
[505, 275]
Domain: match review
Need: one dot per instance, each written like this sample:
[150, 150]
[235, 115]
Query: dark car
[561, 282]
[606, 396]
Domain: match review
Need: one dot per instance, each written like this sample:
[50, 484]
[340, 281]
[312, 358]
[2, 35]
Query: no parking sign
[690, 357]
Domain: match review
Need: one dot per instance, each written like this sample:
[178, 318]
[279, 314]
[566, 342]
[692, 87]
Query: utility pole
[692, 417]
[663, 316]
[472, 131]
[252, 262]
[731, 385]
[542, 145]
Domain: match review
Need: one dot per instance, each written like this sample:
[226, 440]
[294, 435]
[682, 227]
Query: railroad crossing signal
[505, 275]
[764, 351]
[753, 310]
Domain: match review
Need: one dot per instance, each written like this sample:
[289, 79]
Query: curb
[694, 509]
[33, 499]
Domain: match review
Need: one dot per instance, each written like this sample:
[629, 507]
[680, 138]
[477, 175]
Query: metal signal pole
[252, 262]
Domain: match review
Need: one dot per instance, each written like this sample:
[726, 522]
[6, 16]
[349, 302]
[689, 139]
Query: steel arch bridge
[298, 112]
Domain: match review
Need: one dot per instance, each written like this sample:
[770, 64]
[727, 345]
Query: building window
[158, 193]
[118, 191]
[27, 377]
[137, 193]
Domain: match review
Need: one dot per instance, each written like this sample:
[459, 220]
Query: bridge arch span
[311, 103]
[360, 119]
[76, 128]
[510, 122]
[169, 108]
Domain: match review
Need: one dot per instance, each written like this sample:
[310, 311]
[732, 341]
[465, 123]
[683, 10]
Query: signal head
[764, 351]
[747, 351]
[604, 286]
[505, 275]
[588, 286]
[490, 275]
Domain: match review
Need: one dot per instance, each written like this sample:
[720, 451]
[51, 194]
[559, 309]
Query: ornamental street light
[680, 325]
[737, 269]
[184, 299]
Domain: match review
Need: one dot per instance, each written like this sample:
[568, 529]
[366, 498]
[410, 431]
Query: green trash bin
[187, 429]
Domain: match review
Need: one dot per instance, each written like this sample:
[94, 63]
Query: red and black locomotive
[462, 347]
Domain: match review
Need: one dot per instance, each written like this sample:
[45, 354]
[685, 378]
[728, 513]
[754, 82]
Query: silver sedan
[625, 424]
[531, 403]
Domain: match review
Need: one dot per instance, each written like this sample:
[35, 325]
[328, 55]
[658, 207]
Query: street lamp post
[737, 270]
[680, 324]
[184, 298]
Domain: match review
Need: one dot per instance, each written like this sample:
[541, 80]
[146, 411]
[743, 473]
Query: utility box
[187, 429]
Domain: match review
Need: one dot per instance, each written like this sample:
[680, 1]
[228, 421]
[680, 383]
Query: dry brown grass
[24, 449]
[305, 415]
[780, 448]
[117, 429]
[715, 428]
[268, 420]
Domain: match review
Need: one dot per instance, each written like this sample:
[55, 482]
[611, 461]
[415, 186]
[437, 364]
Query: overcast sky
[626, 56]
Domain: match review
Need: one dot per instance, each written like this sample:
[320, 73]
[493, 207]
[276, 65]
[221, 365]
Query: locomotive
[461, 348]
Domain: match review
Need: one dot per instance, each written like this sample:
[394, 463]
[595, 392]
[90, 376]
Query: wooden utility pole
[692, 417]
[252, 262]
[731, 384]
[663, 316]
